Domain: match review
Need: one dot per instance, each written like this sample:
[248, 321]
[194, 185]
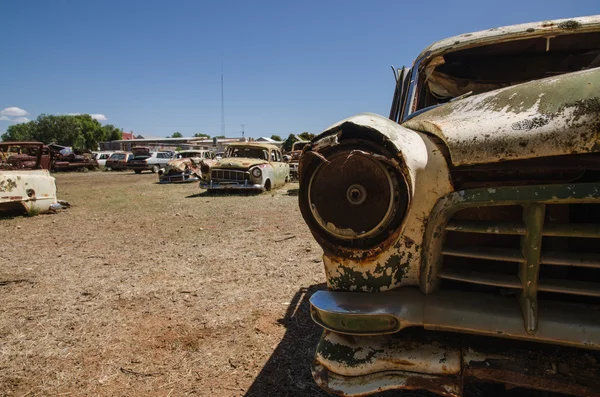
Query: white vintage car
[247, 166]
[25, 182]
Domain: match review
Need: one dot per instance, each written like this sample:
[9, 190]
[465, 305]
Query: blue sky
[154, 67]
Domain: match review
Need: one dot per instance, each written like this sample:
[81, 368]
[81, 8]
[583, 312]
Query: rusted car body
[118, 161]
[246, 166]
[295, 154]
[66, 159]
[473, 209]
[25, 182]
[185, 167]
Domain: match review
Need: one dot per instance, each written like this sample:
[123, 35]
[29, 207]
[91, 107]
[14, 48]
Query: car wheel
[137, 171]
[268, 185]
[155, 169]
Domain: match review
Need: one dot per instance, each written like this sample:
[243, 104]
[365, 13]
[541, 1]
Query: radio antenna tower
[222, 104]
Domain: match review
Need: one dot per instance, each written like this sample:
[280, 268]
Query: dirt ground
[143, 289]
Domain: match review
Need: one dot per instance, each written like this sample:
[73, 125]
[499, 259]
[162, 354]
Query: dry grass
[143, 289]
[154, 290]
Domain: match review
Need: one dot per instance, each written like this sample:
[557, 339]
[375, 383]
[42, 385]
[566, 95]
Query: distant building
[156, 143]
[128, 135]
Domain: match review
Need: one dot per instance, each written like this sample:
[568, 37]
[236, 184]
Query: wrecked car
[118, 161]
[246, 166]
[25, 182]
[460, 233]
[294, 156]
[146, 160]
[185, 167]
[65, 158]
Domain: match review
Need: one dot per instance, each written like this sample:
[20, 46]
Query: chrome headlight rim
[393, 215]
[256, 172]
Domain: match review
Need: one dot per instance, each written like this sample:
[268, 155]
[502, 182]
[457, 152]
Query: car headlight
[354, 198]
[256, 172]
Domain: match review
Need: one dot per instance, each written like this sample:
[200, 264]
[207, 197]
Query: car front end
[460, 242]
[235, 174]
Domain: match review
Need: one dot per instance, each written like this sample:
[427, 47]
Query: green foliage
[201, 135]
[79, 131]
[306, 136]
[287, 144]
[276, 138]
[177, 135]
[220, 136]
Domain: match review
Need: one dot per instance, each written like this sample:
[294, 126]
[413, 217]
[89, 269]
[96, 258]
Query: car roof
[256, 145]
[514, 32]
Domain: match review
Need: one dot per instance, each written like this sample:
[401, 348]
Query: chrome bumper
[231, 186]
[177, 178]
[365, 353]
[566, 324]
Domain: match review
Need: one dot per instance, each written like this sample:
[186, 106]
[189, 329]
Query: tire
[155, 169]
[137, 171]
[268, 185]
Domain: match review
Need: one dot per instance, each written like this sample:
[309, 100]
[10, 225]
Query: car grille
[534, 251]
[229, 175]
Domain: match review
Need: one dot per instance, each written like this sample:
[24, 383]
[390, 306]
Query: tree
[276, 138]
[177, 135]
[202, 135]
[79, 131]
[306, 136]
[220, 136]
[287, 144]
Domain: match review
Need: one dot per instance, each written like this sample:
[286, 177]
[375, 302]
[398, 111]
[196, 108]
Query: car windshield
[118, 156]
[476, 70]
[248, 152]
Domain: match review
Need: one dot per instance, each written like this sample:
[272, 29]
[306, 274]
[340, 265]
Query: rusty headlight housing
[352, 195]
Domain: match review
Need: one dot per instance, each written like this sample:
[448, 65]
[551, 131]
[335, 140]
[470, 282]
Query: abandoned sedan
[25, 182]
[473, 209]
[185, 167]
[247, 166]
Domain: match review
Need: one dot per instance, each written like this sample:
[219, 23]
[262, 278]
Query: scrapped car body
[246, 166]
[65, 158]
[146, 160]
[25, 185]
[473, 209]
[185, 167]
[294, 155]
[118, 161]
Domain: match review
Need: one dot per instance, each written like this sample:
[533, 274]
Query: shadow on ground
[287, 373]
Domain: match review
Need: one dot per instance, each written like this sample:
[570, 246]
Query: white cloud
[99, 117]
[73, 114]
[4, 118]
[13, 112]
[19, 120]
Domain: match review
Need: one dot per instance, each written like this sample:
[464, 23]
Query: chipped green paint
[7, 185]
[346, 355]
[383, 277]
[531, 248]
[570, 24]
[551, 95]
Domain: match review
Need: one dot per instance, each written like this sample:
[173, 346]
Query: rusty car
[65, 158]
[246, 166]
[25, 181]
[460, 233]
[185, 167]
[118, 161]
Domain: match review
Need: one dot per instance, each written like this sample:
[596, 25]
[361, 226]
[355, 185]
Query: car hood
[237, 163]
[180, 165]
[549, 117]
